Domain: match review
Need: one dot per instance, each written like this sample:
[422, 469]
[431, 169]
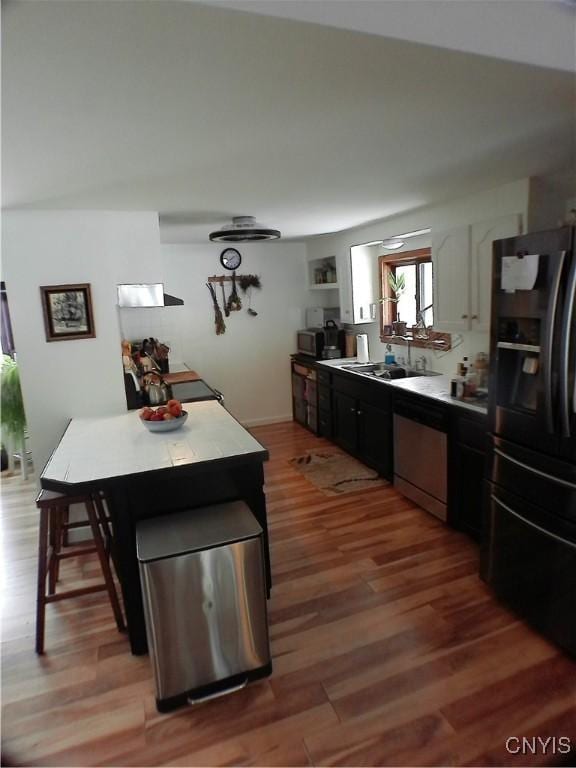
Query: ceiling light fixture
[243, 229]
[392, 243]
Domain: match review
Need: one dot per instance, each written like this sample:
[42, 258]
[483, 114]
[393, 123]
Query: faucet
[420, 364]
[408, 340]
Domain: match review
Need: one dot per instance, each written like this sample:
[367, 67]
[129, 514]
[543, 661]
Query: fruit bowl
[165, 426]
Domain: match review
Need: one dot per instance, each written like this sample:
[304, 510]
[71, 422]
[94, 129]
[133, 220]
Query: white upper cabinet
[451, 274]
[462, 260]
[365, 292]
[482, 238]
[344, 285]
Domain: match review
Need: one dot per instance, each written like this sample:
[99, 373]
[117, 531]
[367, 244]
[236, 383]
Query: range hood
[145, 295]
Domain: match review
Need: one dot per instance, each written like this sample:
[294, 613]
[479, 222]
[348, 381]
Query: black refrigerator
[529, 544]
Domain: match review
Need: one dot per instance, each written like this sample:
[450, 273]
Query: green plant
[397, 285]
[12, 415]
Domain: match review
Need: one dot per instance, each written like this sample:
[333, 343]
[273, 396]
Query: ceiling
[516, 30]
[203, 113]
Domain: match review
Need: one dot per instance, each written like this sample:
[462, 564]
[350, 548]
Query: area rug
[335, 473]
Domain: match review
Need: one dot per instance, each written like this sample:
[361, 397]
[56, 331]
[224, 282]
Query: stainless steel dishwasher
[204, 591]
[420, 453]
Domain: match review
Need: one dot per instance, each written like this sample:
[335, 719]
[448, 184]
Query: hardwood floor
[387, 648]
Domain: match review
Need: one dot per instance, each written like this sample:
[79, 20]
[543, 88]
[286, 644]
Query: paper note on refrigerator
[519, 273]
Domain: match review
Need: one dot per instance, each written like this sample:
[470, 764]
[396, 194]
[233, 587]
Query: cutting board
[180, 377]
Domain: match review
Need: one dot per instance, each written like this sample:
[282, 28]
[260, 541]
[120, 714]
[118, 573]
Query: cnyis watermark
[538, 745]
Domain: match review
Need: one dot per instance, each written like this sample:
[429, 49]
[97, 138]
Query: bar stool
[53, 539]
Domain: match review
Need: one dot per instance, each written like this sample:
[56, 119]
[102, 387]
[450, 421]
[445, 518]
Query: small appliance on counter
[328, 343]
[334, 344]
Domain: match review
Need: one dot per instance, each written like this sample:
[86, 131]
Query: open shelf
[322, 286]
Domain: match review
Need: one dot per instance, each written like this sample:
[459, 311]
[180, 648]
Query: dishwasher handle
[430, 415]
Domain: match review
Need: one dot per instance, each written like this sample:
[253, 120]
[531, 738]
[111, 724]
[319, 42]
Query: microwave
[310, 342]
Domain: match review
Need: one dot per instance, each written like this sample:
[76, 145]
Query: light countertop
[94, 449]
[434, 387]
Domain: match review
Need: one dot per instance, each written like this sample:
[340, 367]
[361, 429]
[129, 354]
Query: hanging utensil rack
[223, 278]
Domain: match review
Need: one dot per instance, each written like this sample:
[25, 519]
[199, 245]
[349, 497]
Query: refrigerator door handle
[539, 472]
[530, 523]
[566, 342]
[549, 344]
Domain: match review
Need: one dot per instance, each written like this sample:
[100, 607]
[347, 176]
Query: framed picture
[67, 312]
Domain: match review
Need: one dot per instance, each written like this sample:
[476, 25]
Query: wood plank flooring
[387, 648]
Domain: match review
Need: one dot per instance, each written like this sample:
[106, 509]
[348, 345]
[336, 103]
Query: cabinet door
[482, 237]
[344, 285]
[451, 265]
[469, 478]
[375, 438]
[364, 268]
[345, 421]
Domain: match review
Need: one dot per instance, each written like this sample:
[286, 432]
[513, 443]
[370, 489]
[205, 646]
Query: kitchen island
[210, 459]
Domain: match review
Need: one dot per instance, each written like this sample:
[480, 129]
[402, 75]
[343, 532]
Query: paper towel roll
[362, 348]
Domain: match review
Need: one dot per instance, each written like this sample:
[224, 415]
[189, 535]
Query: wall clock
[230, 258]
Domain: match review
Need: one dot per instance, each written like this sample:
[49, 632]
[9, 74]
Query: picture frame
[67, 312]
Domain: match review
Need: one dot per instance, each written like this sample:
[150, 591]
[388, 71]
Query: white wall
[250, 362]
[72, 378]
[489, 204]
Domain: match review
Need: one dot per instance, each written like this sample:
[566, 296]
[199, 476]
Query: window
[412, 271]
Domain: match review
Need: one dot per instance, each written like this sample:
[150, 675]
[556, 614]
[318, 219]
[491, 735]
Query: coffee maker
[334, 341]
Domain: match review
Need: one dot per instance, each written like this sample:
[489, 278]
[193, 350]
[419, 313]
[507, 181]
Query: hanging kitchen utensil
[224, 302]
[218, 319]
[234, 302]
[247, 283]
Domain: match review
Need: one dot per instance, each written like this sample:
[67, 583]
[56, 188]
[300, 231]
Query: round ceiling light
[393, 243]
[243, 229]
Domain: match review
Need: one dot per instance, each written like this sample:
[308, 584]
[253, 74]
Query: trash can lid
[179, 533]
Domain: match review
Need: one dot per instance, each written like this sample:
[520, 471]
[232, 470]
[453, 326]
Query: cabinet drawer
[324, 398]
[298, 385]
[471, 432]
[323, 377]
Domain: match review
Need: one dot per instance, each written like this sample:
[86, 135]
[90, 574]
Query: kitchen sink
[384, 371]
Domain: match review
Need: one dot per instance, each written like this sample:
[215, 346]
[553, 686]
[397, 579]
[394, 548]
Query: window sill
[436, 340]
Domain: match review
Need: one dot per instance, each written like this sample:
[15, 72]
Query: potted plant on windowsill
[397, 285]
[12, 415]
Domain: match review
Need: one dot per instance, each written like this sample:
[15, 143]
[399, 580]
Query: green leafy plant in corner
[12, 415]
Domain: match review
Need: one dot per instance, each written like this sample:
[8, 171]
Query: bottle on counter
[470, 382]
[462, 368]
[481, 366]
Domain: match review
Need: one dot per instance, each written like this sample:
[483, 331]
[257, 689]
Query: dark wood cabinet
[467, 468]
[374, 438]
[325, 422]
[362, 422]
[345, 422]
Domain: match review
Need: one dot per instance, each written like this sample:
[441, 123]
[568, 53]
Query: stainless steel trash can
[204, 591]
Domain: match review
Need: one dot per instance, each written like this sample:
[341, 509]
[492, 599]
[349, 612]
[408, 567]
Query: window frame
[388, 309]
[388, 264]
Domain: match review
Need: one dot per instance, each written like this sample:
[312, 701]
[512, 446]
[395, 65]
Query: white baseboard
[268, 420]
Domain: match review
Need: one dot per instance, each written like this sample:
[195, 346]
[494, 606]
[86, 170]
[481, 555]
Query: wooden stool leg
[104, 564]
[55, 547]
[65, 521]
[101, 514]
[42, 570]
